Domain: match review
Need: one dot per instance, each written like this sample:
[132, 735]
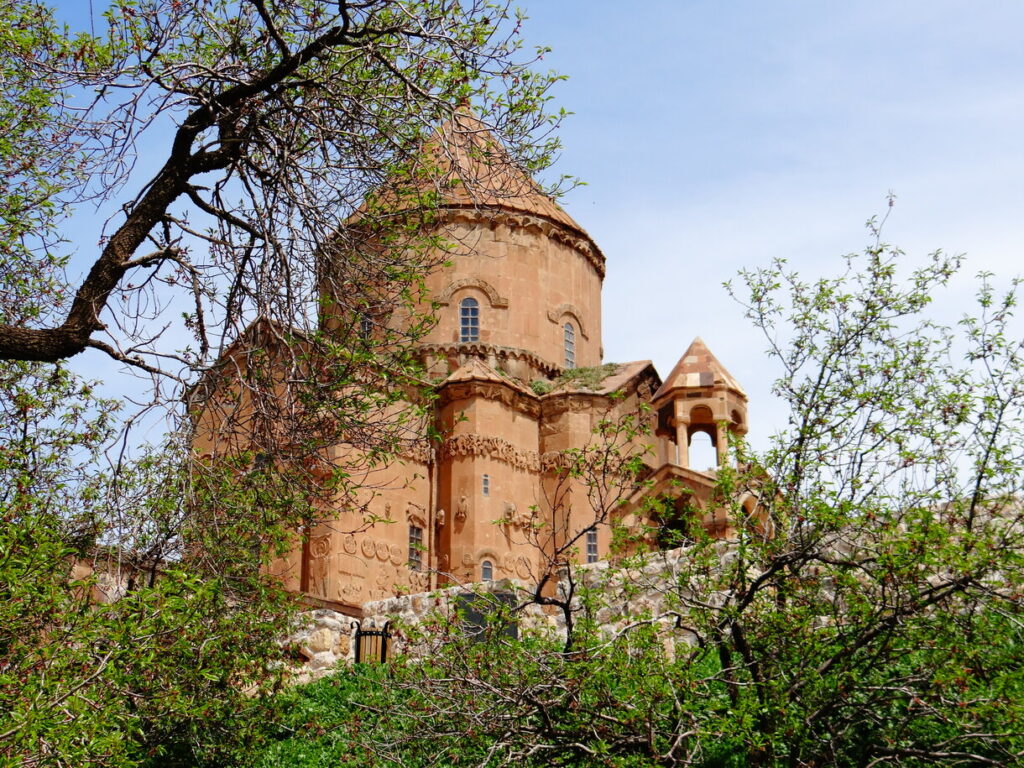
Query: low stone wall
[323, 638]
[411, 615]
[650, 592]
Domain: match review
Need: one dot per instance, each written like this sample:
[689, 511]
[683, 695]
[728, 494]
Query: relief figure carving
[319, 564]
[516, 519]
[416, 515]
[494, 447]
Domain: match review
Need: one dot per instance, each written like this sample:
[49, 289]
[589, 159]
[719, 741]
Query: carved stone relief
[492, 447]
[462, 510]
[416, 515]
[553, 461]
[386, 576]
[397, 555]
[350, 591]
[514, 518]
[523, 567]
[319, 564]
[418, 451]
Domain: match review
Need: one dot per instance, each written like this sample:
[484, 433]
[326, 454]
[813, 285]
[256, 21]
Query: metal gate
[371, 643]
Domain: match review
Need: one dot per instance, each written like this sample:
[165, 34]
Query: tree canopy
[230, 145]
[267, 123]
[866, 613]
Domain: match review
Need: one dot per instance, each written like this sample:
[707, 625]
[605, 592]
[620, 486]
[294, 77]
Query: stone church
[519, 377]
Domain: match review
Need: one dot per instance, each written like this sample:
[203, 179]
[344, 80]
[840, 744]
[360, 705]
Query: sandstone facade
[518, 317]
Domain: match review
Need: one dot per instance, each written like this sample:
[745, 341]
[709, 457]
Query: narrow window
[415, 547]
[570, 346]
[486, 570]
[592, 545]
[365, 327]
[469, 320]
[485, 485]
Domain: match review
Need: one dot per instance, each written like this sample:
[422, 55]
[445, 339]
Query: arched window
[570, 346]
[486, 570]
[469, 320]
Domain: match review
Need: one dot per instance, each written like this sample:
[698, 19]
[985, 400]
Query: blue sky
[715, 136]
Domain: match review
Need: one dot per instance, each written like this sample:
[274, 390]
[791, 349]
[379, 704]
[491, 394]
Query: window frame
[592, 551]
[569, 344]
[365, 326]
[469, 320]
[415, 548]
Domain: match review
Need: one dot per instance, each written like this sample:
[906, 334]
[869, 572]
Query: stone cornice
[495, 216]
[483, 351]
[502, 392]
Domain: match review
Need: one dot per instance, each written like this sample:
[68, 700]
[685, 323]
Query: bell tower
[700, 395]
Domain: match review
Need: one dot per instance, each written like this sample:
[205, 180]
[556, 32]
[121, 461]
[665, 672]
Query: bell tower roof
[698, 368]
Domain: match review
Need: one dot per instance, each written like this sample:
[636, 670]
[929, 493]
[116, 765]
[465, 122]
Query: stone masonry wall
[326, 638]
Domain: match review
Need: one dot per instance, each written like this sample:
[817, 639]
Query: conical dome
[521, 281]
[462, 165]
[476, 171]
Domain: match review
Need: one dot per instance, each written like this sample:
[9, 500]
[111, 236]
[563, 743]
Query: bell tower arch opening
[700, 397]
[703, 455]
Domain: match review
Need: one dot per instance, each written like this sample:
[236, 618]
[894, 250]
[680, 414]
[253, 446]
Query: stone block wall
[650, 592]
[324, 639]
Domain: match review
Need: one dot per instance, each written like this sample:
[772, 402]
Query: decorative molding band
[501, 450]
[417, 450]
[491, 447]
[575, 239]
[484, 351]
[500, 392]
[496, 299]
[553, 461]
[556, 314]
